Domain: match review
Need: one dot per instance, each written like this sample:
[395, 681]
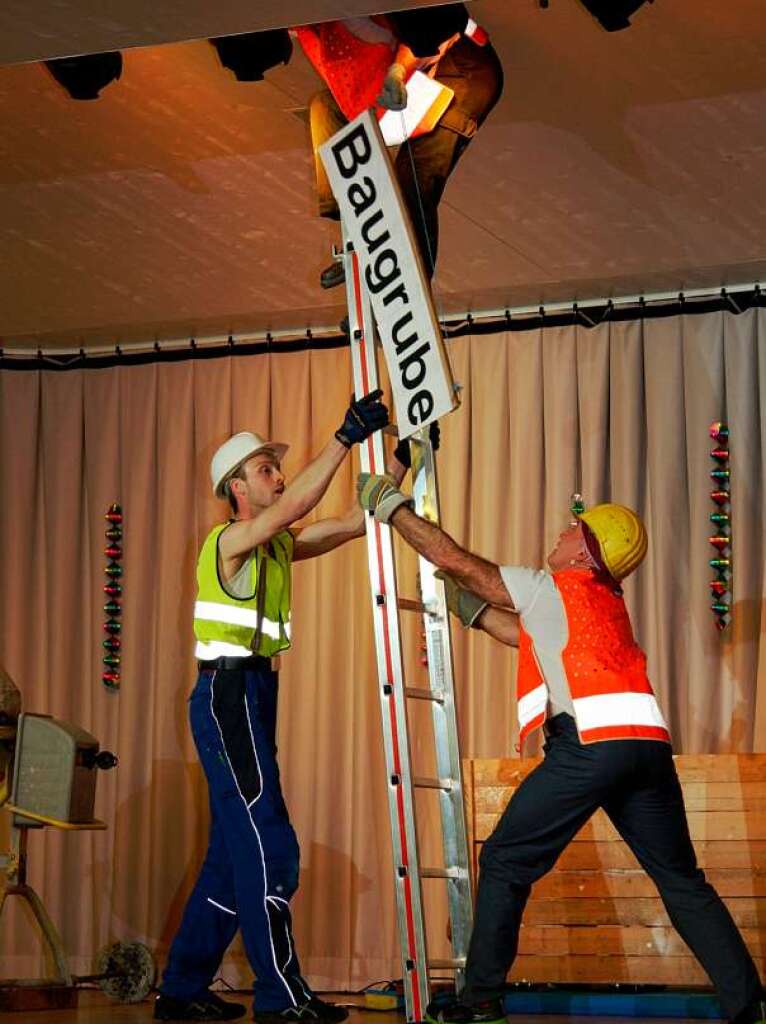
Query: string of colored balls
[110, 674]
[720, 517]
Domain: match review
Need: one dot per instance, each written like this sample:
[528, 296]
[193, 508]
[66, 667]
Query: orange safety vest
[354, 70]
[604, 666]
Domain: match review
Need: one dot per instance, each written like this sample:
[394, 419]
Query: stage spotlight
[249, 55]
[84, 77]
[613, 15]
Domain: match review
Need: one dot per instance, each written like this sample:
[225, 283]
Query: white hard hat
[234, 452]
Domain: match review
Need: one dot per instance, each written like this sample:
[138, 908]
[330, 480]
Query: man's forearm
[471, 571]
[310, 484]
[328, 534]
[352, 524]
[500, 624]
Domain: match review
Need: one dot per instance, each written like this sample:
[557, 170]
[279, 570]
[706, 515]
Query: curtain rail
[586, 313]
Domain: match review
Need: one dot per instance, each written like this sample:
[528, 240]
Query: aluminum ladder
[395, 694]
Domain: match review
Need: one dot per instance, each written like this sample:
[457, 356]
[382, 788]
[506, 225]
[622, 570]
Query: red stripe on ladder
[404, 859]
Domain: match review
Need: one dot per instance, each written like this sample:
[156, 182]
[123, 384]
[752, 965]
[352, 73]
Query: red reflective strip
[404, 859]
[625, 732]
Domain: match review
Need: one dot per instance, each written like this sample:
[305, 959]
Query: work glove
[363, 417]
[402, 450]
[463, 603]
[378, 493]
[393, 94]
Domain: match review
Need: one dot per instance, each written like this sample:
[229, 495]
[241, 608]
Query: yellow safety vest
[226, 626]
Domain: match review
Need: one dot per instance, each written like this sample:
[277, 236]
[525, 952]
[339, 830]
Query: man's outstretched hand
[363, 417]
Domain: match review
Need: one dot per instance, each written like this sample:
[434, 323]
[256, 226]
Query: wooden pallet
[596, 917]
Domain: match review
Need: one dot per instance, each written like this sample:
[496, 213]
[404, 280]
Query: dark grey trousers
[635, 782]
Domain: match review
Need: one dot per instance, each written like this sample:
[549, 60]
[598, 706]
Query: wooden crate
[596, 917]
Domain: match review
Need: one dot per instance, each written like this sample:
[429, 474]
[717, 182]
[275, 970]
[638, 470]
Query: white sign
[376, 221]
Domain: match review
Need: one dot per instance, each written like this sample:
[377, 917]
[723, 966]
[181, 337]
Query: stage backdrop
[623, 408]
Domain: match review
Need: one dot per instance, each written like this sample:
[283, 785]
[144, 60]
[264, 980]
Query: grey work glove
[363, 417]
[393, 94]
[378, 493]
[463, 603]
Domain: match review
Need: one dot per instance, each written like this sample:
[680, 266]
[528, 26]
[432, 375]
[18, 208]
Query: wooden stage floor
[95, 1008]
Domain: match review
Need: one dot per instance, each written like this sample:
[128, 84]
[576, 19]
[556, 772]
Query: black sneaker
[333, 275]
[314, 1010]
[455, 1012]
[754, 1013]
[208, 1006]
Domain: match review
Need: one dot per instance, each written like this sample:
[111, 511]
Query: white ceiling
[181, 201]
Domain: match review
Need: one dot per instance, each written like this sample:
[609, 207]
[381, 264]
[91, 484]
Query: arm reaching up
[363, 417]
[327, 534]
[379, 494]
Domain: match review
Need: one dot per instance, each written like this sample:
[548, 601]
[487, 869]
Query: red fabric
[601, 655]
[352, 68]
[478, 35]
[528, 678]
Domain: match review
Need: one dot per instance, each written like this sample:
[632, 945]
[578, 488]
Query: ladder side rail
[446, 737]
[390, 670]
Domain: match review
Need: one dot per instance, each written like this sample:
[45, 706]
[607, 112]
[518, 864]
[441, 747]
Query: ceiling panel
[181, 201]
[33, 30]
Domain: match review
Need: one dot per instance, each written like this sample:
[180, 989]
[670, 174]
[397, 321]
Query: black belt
[254, 661]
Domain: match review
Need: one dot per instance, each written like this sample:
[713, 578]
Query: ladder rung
[423, 693]
[407, 604]
[440, 965]
[422, 782]
[443, 873]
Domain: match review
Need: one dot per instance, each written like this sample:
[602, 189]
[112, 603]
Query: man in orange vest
[583, 677]
[368, 62]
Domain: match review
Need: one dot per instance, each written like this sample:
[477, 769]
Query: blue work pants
[250, 870]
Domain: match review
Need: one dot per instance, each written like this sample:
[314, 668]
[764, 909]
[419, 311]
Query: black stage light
[613, 15]
[84, 77]
[252, 53]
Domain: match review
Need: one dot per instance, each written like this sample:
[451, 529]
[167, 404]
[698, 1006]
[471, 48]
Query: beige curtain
[620, 412]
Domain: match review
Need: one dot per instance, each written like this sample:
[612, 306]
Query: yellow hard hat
[621, 537]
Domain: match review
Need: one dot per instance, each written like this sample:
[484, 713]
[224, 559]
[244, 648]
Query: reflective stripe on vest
[213, 612]
[607, 709]
[218, 649]
[531, 706]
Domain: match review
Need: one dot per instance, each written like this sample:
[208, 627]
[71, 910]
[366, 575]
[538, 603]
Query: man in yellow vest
[582, 676]
[241, 622]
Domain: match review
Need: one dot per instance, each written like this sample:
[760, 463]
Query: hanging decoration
[720, 518]
[110, 674]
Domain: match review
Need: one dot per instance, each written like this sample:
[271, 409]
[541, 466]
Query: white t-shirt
[541, 609]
